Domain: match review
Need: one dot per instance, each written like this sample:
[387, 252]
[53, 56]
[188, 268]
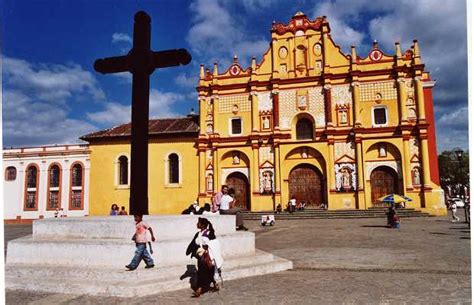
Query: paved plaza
[336, 261]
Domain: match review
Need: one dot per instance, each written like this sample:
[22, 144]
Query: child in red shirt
[141, 240]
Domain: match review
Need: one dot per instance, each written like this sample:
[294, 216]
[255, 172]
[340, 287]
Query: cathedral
[304, 121]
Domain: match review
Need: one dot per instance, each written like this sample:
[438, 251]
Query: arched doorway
[306, 183]
[383, 181]
[240, 184]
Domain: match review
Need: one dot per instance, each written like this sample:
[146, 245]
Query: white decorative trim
[337, 170]
[429, 84]
[265, 154]
[344, 148]
[226, 103]
[264, 101]
[263, 180]
[386, 89]
[370, 166]
[341, 95]
[225, 172]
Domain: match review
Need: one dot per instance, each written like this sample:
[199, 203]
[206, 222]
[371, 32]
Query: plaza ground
[336, 261]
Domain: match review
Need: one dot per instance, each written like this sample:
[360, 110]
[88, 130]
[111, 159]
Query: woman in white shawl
[206, 248]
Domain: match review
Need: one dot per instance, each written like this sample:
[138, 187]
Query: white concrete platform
[87, 255]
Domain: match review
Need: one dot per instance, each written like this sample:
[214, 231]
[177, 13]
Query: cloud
[343, 34]
[187, 81]
[162, 105]
[440, 28]
[28, 122]
[216, 35]
[38, 98]
[455, 119]
[121, 37]
[124, 77]
[257, 5]
[49, 82]
[113, 114]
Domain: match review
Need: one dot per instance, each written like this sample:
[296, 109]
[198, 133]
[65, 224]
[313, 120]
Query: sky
[52, 95]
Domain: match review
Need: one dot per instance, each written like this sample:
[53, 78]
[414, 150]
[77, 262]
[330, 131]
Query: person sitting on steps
[227, 207]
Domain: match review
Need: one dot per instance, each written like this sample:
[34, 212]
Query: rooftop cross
[141, 61]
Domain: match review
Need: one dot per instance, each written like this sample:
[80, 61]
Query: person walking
[206, 249]
[141, 239]
[227, 207]
[454, 209]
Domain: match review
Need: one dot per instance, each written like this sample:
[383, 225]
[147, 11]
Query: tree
[454, 171]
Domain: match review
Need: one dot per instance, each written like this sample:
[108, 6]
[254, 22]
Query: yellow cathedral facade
[307, 121]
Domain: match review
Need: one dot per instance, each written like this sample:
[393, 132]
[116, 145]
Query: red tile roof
[173, 126]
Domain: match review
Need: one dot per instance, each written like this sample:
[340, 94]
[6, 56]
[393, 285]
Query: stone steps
[118, 282]
[112, 274]
[88, 256]
[335, 214]
[113, 253]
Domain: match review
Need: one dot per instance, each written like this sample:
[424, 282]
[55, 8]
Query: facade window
[380, 116]
[31, 175]
[76, 193]
[123, 170]
[54, 187]
[54, 174]
[173, 169]
[76, 200]
[10, 173]
[236, 126]
[304, 129]
[77, 175]
[31, 192]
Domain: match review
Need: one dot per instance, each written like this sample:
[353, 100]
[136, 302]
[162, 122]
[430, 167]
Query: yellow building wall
[162, 197]
[366, 112]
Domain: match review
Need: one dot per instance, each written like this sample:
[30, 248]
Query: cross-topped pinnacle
[141, 61]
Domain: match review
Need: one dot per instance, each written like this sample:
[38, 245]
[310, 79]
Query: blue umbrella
[394, 198]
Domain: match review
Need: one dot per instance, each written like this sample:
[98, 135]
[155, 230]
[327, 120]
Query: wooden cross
[141, 61]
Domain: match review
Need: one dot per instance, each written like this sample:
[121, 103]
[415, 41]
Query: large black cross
[141, 61]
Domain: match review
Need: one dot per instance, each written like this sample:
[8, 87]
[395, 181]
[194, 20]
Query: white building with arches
[46, 181]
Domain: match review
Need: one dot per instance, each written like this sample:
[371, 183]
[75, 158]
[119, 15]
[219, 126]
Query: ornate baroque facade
[306, 121]
[312, 122]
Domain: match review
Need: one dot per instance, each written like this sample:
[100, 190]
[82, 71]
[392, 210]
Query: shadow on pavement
[373, 226]
[190, 272]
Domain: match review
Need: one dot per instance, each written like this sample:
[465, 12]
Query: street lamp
[458, 153]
